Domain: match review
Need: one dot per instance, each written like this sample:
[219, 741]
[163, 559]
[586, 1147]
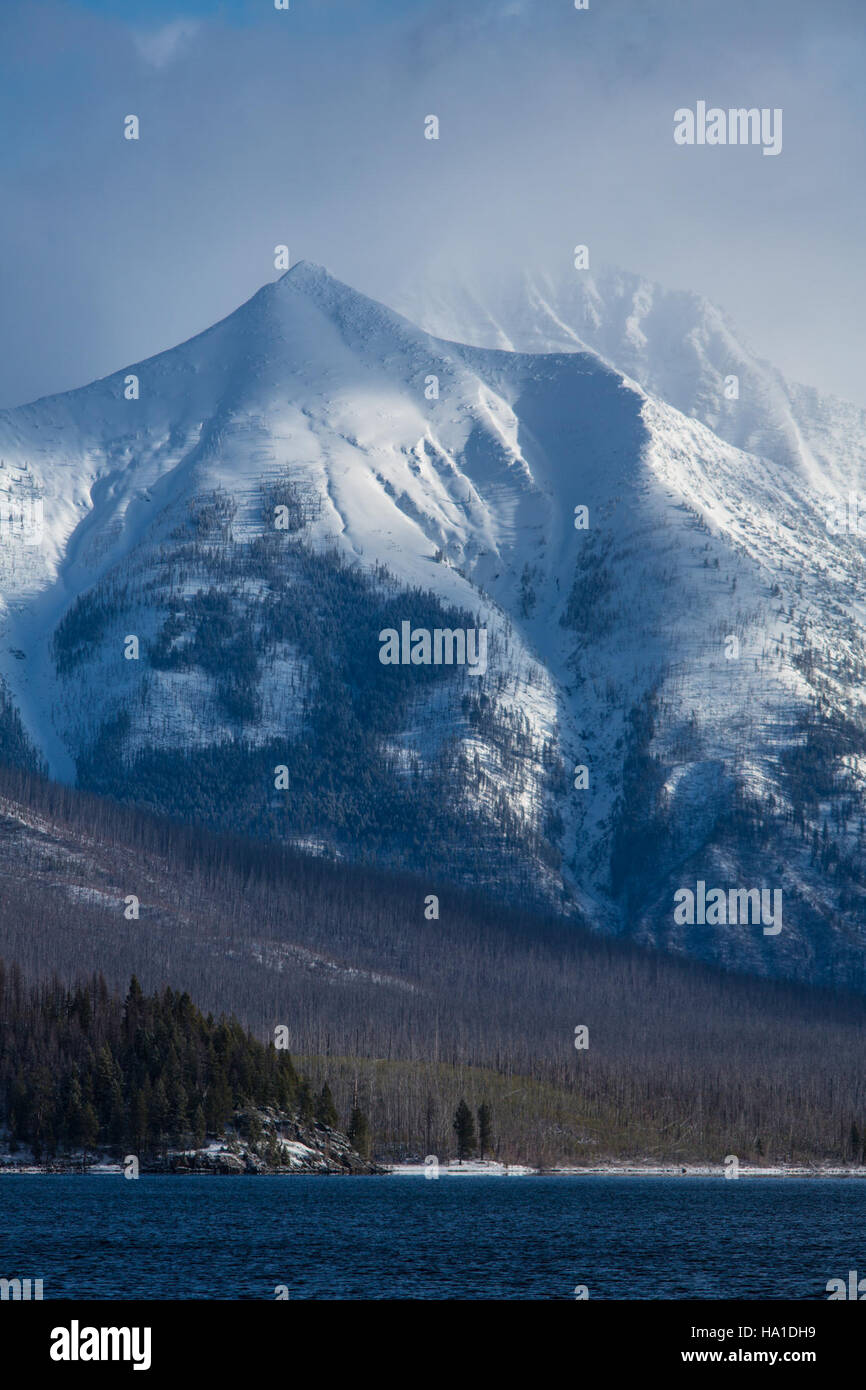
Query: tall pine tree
[464, 1128]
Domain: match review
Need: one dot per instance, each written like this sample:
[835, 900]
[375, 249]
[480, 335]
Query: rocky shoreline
[286, 1146]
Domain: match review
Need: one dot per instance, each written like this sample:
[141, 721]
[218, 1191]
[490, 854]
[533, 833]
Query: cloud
[306, 127]
[159, 47]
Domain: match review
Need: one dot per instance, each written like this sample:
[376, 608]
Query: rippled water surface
[396, 1237]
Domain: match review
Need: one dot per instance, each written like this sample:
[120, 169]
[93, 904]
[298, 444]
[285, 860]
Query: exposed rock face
[271, 1141]
[261, 1141]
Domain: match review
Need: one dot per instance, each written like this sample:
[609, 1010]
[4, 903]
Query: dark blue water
[376, 1238]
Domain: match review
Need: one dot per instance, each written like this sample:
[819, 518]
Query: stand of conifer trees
[83, 1069]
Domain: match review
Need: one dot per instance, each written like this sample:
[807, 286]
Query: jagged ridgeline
[258, 650]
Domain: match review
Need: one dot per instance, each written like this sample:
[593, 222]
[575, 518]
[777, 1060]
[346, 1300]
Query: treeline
[83, 1070]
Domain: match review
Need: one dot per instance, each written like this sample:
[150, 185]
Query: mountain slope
[695, 646]
[405, 1015]
[676, 345]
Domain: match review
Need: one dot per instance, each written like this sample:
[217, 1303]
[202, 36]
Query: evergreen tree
[253, 1128]
[218, 1102]
[286, 1082]
[178, 1112]
[108, 1090]
[159, 1112]
[73, 1130]
[326, 1110]
[854, 1140]
[199, 1128]
[464, 1128]
[139, 1117]
[306, 1104]
[359, 1132]
[90, 1127]
[117, 1127]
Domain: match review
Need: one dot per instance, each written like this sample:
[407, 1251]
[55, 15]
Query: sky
[305, 127]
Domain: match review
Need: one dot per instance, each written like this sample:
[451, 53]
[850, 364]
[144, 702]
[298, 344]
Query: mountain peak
[324, 289]
[455, 501]
[304, 273]
[360, 320]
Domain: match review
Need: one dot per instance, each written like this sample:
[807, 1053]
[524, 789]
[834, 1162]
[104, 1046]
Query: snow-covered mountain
[676, 345]
[665, 604]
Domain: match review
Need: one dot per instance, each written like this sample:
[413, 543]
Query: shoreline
[469, 1169]
[637, 1168]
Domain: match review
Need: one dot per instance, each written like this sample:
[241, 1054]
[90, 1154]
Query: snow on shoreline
[491, 1169]
[621, 1170]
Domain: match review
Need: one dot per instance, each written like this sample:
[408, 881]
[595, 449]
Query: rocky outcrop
[260, 1141]
[267, 1141]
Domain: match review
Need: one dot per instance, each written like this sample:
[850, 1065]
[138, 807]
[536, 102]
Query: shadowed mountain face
[236, 532]
[675, 345]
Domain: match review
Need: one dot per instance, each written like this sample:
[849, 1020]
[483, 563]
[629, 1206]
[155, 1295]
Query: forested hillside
[406, 996]
[84, 1072]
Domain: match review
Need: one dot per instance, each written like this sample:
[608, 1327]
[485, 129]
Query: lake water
[465, 1238]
